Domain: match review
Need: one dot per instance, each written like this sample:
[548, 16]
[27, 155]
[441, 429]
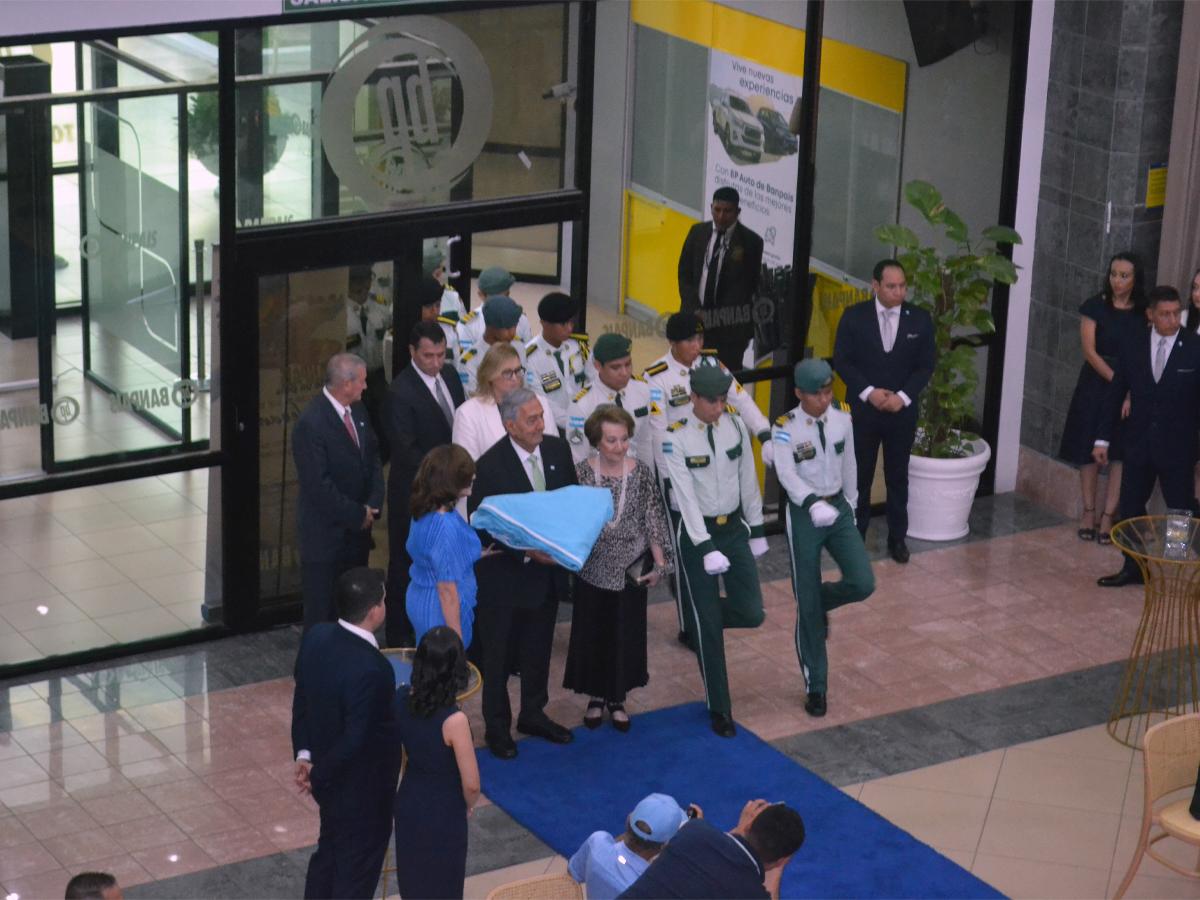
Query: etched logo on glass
[431, 92]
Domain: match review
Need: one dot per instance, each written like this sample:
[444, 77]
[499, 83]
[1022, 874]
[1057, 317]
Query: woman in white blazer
[477, 424]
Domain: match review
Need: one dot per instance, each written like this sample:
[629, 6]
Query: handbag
[643, 565]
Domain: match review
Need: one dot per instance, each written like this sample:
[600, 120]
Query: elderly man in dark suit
[343, 739]
[718, 276]
[341, 484]
[884, 352]
[1160, 371]
[519, 590]
[419, 416]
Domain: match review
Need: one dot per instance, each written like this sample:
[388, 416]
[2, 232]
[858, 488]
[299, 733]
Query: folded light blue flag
[564, 523]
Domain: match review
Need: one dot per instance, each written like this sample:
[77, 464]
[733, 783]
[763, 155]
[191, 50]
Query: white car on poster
[735, 124]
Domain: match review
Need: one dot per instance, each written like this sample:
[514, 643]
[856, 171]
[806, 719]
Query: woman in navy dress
[1105, 320]
[440, 785]
[442, 546]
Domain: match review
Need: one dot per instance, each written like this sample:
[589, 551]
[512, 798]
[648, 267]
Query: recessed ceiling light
[43, 610]
[173, 857]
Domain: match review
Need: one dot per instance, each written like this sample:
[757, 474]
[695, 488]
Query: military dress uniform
[469, 360]
[634, 399]
[558, 373]
[814, 461]
[470, 329]
[449, 328]
[714, 482]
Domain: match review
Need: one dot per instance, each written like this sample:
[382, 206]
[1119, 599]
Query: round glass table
[1162, 675]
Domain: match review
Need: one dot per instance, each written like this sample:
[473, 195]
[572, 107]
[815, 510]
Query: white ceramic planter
[941, 491]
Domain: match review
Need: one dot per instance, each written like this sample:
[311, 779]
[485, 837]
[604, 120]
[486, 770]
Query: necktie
[535, 473]
[558, 359]
[710, 283]
[887, 330]
[821, 432]
[1160, 358]
[617, 398]
[711, 443]
[362, 320]
[440, 396]
[350, 426]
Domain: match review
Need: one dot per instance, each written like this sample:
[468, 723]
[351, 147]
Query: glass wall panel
[403, 112]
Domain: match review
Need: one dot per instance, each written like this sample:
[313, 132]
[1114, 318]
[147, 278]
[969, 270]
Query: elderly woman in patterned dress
[607, 653]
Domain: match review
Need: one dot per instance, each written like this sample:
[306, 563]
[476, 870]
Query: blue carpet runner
[564, 793]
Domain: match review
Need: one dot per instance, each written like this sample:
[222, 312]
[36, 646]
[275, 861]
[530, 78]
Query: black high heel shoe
[622, 724]
[593, 722]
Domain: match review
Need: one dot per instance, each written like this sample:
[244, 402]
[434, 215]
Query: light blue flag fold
[564, 523]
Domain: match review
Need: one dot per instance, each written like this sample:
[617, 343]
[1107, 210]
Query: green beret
[812, 375]
[610, 346]
[501, 312]
[710, 381]
[495, 280]
[431, 259]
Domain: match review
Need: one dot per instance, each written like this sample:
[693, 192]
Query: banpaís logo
[408, 67]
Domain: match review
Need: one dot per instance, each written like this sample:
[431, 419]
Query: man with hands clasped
[814, 460]
[720, 530]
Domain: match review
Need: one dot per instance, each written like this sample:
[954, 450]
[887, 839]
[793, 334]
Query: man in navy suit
[884, 352]
[341, 484]
[418, 416]
[343, 740]
[1160, 371]
[519, 590]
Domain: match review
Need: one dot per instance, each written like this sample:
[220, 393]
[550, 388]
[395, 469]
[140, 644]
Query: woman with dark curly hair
[440, 784]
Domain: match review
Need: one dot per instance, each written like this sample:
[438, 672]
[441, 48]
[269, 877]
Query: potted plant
[955, 287]
[203, 131]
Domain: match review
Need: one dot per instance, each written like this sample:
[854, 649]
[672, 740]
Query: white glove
[758, 546]
[716, 562]
[822, 514]
[768, 453]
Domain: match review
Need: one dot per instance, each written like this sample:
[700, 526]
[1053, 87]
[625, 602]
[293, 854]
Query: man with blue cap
[500, 315]
[814, 460]
[720, 530]
[557, 359]
[608, 865]
[493, 282]
[614, 383]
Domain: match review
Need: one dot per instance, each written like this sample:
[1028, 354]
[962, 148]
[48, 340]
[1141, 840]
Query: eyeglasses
[511, 373]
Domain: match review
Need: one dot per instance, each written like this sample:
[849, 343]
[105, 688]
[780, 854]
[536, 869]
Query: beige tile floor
[95, 566]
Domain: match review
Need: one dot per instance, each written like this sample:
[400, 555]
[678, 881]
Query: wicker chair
[541, 887]
[1172, 753]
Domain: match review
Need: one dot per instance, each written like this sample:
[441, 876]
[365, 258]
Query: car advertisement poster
[751, 149]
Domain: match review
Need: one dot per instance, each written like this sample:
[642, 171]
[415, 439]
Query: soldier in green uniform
[814, 460]
[711, 467]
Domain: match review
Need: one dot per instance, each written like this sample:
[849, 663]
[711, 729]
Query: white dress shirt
[894, 314]
[431, 381]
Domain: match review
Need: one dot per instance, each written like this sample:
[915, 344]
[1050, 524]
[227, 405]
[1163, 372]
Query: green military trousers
[707, 612]
[814, 597]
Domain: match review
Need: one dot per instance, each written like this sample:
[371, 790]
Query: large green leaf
[1002, 234]
[897, 235]
[924, 197]
[999, 268]
[956, 228]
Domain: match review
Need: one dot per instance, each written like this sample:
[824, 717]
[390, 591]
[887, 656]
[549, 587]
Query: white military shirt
[469, 360]
[712, 480]
[808, 470]
[366, 326]
[470, 330]
[670, 388]
[452, 305]
[558, 381]
[635, 400]
[450, 329]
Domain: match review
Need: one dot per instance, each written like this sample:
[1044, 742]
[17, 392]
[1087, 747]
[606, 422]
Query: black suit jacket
[1163, 416]
[859, 360]
[506, 579]
[337, 479]
[739, 272]
[341, 714]
[415, 425]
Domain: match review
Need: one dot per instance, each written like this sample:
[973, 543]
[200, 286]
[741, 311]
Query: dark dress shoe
[546, 728]
[722, 724]
[815, 705]
[501, 745]
[898, 550]
[1119, 579]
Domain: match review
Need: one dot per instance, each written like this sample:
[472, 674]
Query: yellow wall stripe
[845, 68]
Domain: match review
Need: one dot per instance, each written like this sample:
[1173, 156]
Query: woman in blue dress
[442, 546]
[440, 784]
